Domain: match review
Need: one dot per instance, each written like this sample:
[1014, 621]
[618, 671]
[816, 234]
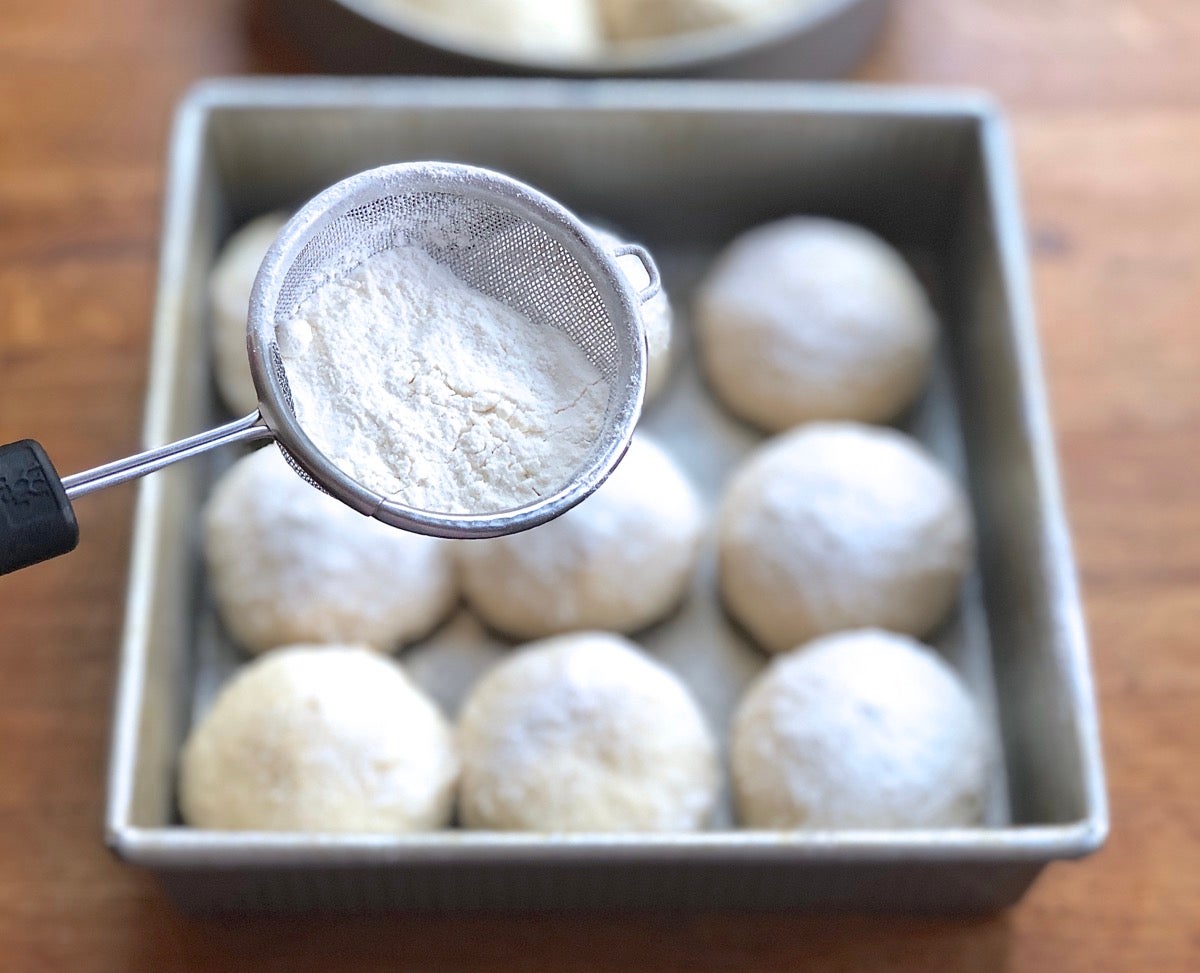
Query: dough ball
[287, 563]
[551, 29]
[657, 318]
[862, 729]
[835, 526]
[633, 20]
[809, 318]
[332, 738]
[620, 560]
[229, 289]
[584, 733]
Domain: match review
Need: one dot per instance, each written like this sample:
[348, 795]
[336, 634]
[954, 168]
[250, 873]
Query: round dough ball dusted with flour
[808, 318]
[331, 738]
[863, 729]
[633, 20]
[584, 733]
[229, 289]
[288, 563]
[657, 318]
[620, 560]
[556, 29]
[835, 526]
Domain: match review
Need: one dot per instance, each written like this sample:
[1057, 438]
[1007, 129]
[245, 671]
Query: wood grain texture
[1105, 101]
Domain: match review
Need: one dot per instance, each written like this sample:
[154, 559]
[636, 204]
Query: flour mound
[436, 395]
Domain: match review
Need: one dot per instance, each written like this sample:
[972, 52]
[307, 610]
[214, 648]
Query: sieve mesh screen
[499, 237]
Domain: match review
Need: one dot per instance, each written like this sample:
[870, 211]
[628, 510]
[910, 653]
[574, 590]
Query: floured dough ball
[229, 289]
[862, 729]
[584, 733]
[620, 560]
[835, 526]
[809, 318]
[657, 319]
[632, 20]
[331, 738]
[288, 563]
[553, 29]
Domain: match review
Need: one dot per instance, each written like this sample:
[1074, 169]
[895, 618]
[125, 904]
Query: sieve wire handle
[122, 470]
[648, 265]
[37, 521]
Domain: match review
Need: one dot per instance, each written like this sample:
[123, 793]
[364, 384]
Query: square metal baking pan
[682, 167]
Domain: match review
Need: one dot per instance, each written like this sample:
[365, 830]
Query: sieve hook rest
[648, 265]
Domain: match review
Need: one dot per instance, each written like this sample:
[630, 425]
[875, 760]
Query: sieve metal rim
[621, 303]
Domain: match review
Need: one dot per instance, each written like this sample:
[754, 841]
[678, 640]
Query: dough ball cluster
[230, 283]
[807, 318]
[863, 729]
[836, 543]
[584, 733]
[287, 563]
[620, 560]
[837, 526]
[319, 738]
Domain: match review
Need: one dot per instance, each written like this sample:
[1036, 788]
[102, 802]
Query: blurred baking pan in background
[801, 39]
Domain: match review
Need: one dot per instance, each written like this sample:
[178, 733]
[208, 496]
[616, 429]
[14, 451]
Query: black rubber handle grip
[36, 519]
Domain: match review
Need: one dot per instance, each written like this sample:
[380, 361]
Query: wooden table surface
[1105, 101]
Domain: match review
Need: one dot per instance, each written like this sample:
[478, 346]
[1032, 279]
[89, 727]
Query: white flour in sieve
[436, 395]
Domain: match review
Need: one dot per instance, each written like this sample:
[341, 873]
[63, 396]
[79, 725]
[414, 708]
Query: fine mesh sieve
[498, 235]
